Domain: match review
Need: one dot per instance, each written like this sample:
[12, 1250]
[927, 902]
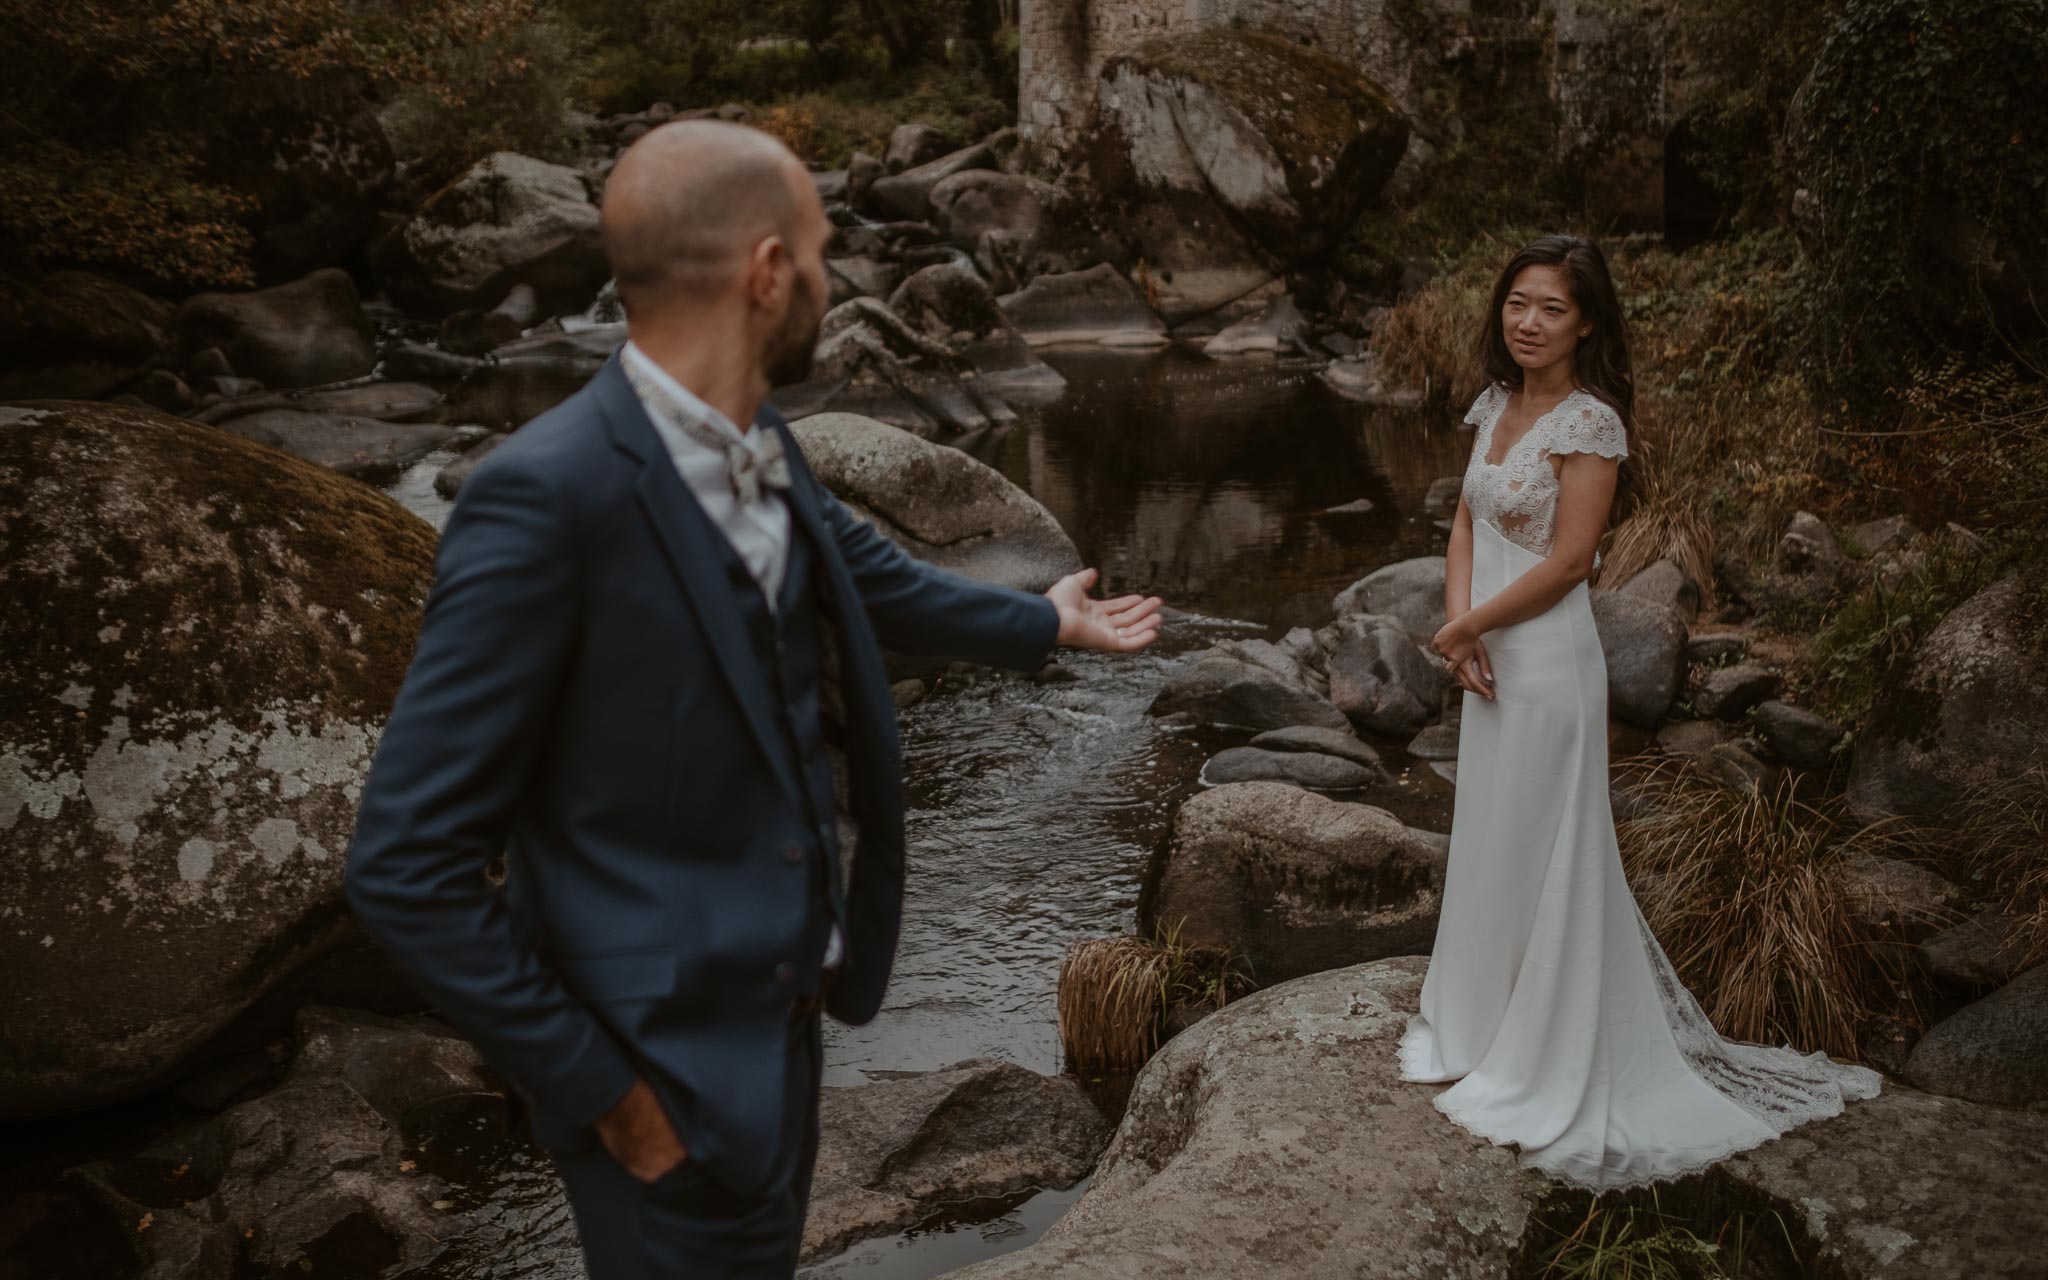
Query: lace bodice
[1519, 497]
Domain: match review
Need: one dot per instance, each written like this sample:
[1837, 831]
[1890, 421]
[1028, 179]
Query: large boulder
[73, 335]
[1293, 882]
[937, 503]
[1311, 770]
[1971, 707]
[894, 1152]
[293, 335]
[201, 642]
[907, 194]
[911, 145]
[1276, 1138]
[1232, 149]
[1642, 640]
[510, 220]
[1015, 226]
[1995, 1050]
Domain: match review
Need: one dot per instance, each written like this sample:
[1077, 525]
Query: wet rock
[1441, 503]
[1643, 643]
[230, 388]
[1296, 768]
[870, 362]
[1358, 377]
[1360, 507]
[908, 693]
[1294, 882]
[1410, 590]
[1329, 742]
[474, 333]
[205, 639]
[209, 363]
[510, 220]
[294, 335]
[1728, 693]
[1983, 951]
[1971, 707]
[1798, 736]
[1248, 1139]
[1667, 584]
[1995, 1050]
[334, 1164]
[75, 335]
[408, 359]
[937, 503]
[1277, 328]
[1094, 306]
[448, 481]
[361, 447]
[907, 194]
[162, 389]
[951, 304]
[893, 1153]
[1379, 677]
[1731, 765]
[1894, 898]
[830, 185]
[388, 401]
[911, 145]
[1220, 689]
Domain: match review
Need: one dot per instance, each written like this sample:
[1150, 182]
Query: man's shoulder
[566, 451]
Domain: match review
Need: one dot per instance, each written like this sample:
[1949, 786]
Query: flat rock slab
[1328, 742]
[1276, 1138]
[361, 447]
[1307, 769]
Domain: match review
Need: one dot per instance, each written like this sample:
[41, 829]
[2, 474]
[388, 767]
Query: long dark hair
[1600, 364]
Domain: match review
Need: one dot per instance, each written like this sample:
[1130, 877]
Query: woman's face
[1539, 320]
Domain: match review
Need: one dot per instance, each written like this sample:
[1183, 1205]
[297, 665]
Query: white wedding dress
[1548, 1000]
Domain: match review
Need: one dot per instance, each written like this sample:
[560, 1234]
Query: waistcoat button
[785, 973]
[792, 852]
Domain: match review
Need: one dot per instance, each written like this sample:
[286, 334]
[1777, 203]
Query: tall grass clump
[2002, 838]
[1740, 891]
[1638, 1236]
[1115, 995]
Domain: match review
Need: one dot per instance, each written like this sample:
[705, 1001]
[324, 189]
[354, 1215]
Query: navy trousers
[686, 1225]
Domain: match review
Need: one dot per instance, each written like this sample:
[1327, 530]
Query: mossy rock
[203, 638]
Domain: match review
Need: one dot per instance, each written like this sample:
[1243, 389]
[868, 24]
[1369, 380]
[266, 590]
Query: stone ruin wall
[1603, 63]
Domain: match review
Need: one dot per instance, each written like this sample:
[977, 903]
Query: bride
[1548, 1000]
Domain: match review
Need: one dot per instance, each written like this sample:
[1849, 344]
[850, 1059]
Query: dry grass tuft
[1115, 995]
[2003, 839]
[1740, 892]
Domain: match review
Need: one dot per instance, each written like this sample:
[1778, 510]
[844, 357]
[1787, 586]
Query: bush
[1918, 141]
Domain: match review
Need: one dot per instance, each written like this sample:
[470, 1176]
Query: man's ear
[765, 271]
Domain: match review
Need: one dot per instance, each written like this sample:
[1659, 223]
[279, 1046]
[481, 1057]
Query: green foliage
[1920, 140]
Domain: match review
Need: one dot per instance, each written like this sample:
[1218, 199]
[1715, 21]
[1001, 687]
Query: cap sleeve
[1590, 426]
[1482, 406]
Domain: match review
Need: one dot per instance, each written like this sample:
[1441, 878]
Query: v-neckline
[1493, 424]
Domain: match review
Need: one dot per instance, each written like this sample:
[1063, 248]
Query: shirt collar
[685, 399]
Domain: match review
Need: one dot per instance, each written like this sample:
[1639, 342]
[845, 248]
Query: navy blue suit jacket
[584, 698]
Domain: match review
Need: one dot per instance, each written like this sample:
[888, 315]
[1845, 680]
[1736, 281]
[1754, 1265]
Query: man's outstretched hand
[1123, 625]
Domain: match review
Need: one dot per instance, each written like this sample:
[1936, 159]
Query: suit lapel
[687, 536]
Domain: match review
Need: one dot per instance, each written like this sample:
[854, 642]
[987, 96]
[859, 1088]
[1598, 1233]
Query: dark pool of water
[1034, 807]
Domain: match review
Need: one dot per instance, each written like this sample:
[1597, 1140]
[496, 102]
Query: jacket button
[792, 852]
[785, 973]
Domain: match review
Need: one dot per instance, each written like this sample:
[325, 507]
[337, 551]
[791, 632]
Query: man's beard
[787, 360]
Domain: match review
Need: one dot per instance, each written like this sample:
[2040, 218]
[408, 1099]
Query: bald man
[651, 628]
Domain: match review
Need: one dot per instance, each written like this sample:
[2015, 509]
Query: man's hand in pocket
[639, 1136]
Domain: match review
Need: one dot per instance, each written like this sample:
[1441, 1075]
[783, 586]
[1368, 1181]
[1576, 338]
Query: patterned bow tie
[749, 469]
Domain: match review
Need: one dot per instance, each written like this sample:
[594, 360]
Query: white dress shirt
[758, 531]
